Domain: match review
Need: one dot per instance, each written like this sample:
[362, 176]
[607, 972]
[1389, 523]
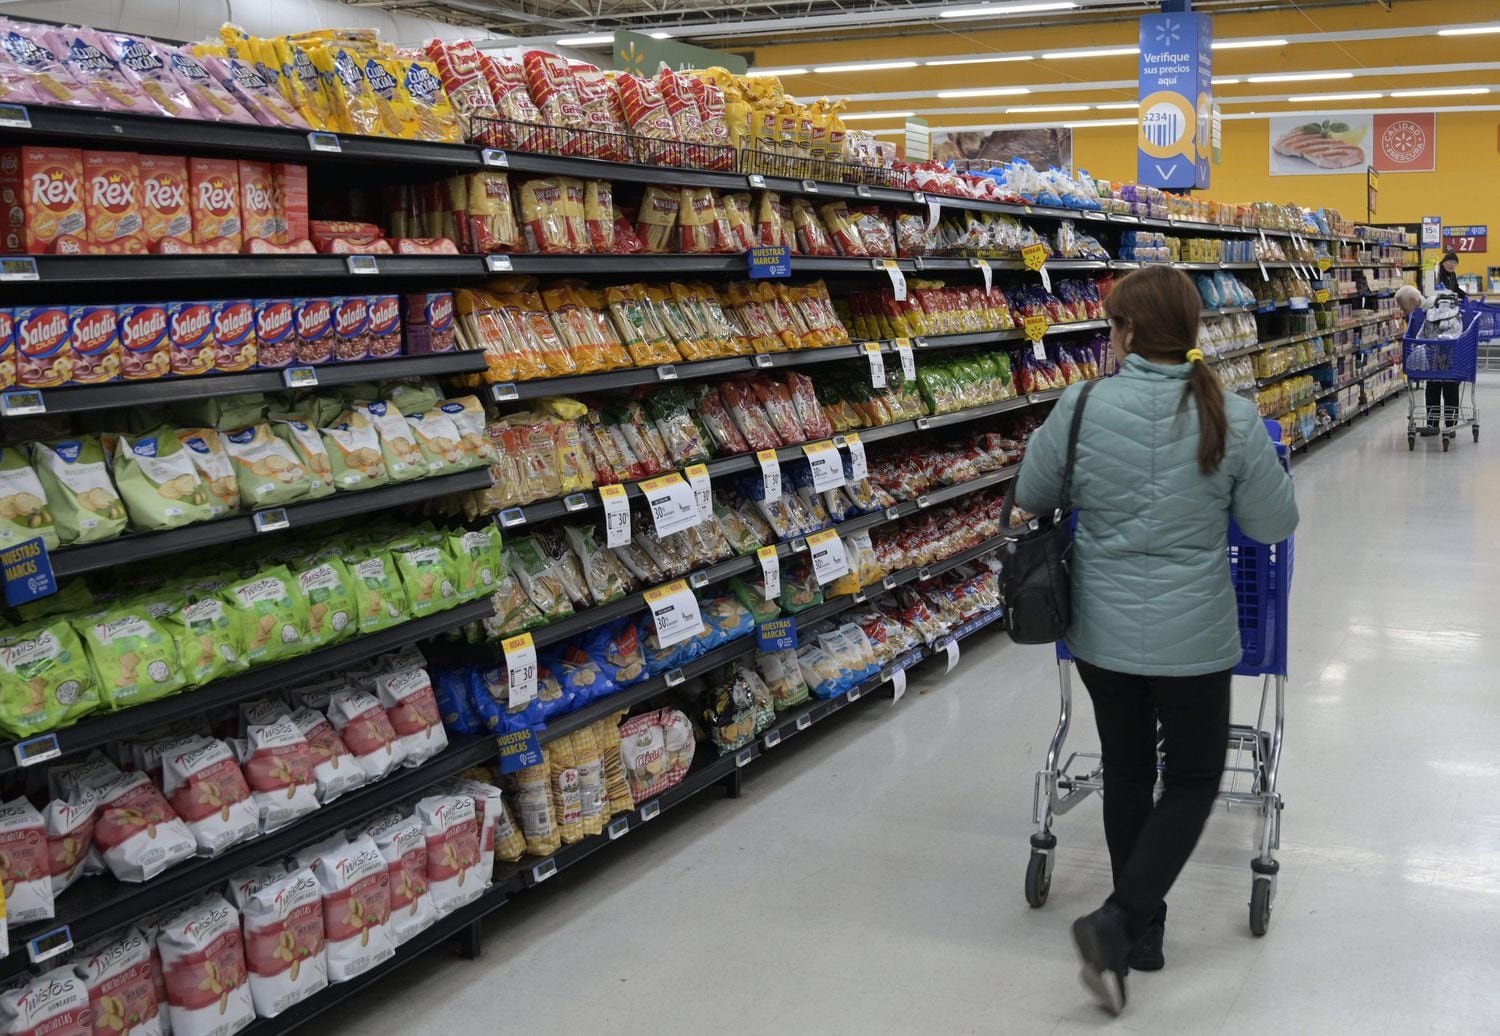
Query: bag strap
[1067, 483]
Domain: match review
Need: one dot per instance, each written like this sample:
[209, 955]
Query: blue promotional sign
[769, 261]
[1175, 135]
[1432, 231]
[518, 750]
[776, 634]
[28, 572]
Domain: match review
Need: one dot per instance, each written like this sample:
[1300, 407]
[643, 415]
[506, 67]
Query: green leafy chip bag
[134, 655]
[159, 482]
[273, 614]
[478, 561]
[332, 604]
[210, 639]
[85, 506]
[45, 679]
[427, 573]
[377, 589]
[24, 514]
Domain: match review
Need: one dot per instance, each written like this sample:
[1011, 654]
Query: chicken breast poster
[1391, 142]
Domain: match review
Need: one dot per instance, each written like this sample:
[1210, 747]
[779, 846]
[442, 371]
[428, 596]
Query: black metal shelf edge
[102, 728]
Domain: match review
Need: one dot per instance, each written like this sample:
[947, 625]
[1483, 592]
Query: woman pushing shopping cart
[1164, 458]
[1441, 350]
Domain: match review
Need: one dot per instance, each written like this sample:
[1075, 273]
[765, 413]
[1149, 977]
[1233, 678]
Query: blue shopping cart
[1434, 361]
[1262, 577]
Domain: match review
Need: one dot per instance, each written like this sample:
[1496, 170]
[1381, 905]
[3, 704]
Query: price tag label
[934, 212]
[1036, 328]
[877, 364]
[20, 402]
[505, 392]
[804, 721]
[827, 466]
[495, 158]
[674, 610]
[810, 186]
[512, 516]
[985, 270]
[1321, 295]
[673, 504]
[324, 142]
[770, 474]
[498, 263]
[908, 359]
[616, 515]
[770, 572]
[861, 190]
[1324, 264]
[1039, 351]
[757, 181]
[18, 268]
[273, 520]
[898, 685]
[859, 467]
[520, 665]
[15, 116]
[828, 558]
[37, 750]
[952, 648]
[300, 377]
[703, 494]
[1034, 256]
[45, 947]
[362, 264]
[898, 279]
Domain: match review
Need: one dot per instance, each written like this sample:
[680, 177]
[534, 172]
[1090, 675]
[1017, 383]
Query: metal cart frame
[1445, 360]
[1262, 577]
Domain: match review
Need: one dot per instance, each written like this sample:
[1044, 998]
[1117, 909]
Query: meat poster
[1392, 142]
[1042, 147]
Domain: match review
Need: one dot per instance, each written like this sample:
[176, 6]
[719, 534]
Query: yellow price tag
[652, 485]
[1034, 256]
[615, 492]
[696, 471]
[767, 553]
[510, 645]
[1325, 264]
[891, 264]
[1036, 328]
[656, 594]
[819, 538]
[1321, 295]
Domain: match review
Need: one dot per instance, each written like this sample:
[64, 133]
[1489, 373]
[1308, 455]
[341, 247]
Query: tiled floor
[870, 879]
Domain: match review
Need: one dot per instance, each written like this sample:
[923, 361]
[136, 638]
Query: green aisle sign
[638, 53]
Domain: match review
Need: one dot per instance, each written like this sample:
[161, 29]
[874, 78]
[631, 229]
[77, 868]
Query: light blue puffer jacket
[1151, 587]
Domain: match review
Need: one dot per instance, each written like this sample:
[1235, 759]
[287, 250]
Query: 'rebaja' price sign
[877, 364]
[674, 610]
[908, 359]
[1324, 263]
[983, 266]
[616, 516]
[1035, 328]
[1321, 295]
[898, 278]
[520, 667]
[703, 494]
[828, 558]
[1034, 256]
[673, 504]
[770, 571]
[859, 466]
[827, 466]
[770, 475]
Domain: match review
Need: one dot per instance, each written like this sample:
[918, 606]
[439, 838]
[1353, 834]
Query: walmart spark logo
[1168, 33]
[632, 58]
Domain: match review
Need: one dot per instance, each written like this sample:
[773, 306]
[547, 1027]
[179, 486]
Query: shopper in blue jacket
[1165, 458]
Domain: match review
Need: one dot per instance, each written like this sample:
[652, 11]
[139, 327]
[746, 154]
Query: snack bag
[355, 452]
[24, 869]
[436, 436]
[492, 223]
[203, 782]
[55, 1002]
[133, 655]
[534, 808]
[120, 979]
[278, 765]
[364, 727]
[203, 962]
[311, 452]
[544, 218]
[403, 844]
[494, 822]
[137, 831]
[312, 320]
[210, 639]
[451, 826]
[214, 101]
[211, 460]
[69, 822]
[24, 510]
[378, 592]
[334, 766]
[45, 679]
[657, 749]
[411, 705]
[403, 459]
[656, 221]
[158, 481]
[140, 59]
[44, 353]
[266, 469]
[82, 499]
[356, 905]
[284, 941]
[273, 612]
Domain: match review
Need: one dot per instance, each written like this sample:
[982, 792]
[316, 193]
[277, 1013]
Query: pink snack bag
[54, 1002]
[23, 863]
[143, 59]
[284, 941]
[404, 845]
[278, 765]
[451, 825]
[212, 99]
[52, 82]
[121, 983]
[356, 887]
[202, 780]
[203, 958]
[118, 90]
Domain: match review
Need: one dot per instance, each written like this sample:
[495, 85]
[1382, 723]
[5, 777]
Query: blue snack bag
[451, 686]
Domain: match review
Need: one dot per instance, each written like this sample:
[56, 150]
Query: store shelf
[1300, 369]
[103, 728]
[99, 904]
[175, 390]
[70, 561]
[1233, 354]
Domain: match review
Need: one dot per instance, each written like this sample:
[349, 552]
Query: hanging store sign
[1174, 135]
[1466, 239]
[643, 55]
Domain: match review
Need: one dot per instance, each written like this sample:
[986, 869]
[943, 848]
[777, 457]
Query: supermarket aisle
[870, 879]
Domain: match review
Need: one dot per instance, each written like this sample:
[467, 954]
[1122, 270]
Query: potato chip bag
[378, 591]
[134, 656]
[278, 765]
[210, 639]
[354, 452]
[404, 846]
[203, 782]
[55, 1001]
[45, 679]
[403, 458]
[24, 511]
[437, 437]
[427, 574]
[331, 605]
[273, 614]
[411, 706]
[118, 972]
[266, 468]
[158, 481]
[203, 963]
[206, 447]
[284, 941]
[69, 821]
[23, 863]
[85, 507]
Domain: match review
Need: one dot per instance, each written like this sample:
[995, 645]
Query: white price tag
[673, 504]
[324, 142]
[877, 364]
[300, 377]
[616, 515]
[770, 571]
[828, 558]
[703, 493]
[952, 648]
[898, 279]
[359, 264]
[898, 685]
[674, 610]
[1046, 279]
[495, 158]
[520, 665]
[859, 466]
[770, 474]
[983, 266]
[908, 359]
[498, 264]
[934, 213]
[827, 466]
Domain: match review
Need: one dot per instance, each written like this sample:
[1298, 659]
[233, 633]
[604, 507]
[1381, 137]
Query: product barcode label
[898, 279]
[908, 359]
[859, 466]
[770, 571]
[770, 475]
[877, 364]
[703, 494]
[827, 466]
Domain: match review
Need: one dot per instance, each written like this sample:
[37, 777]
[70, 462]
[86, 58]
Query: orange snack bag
[164, 201]
[112, 199]
[258, 216]
[214, 201]
[46, 185]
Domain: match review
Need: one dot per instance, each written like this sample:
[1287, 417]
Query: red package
[112, 199]
[726, 434]
[812, 239]
[648, 117]
[44, 350]
[461, 68]
[356, 246]
[95, 342]
[549, 78]
[258, 215]
[190, 335]
[177, 246]
[385, 326]
[423, 246]
[324, 230]
[749, 416]
[145, 351]
[164, 198]
[521, 121]
[603, 115]
[678, 97]
[214, 201]
[289, 187]
[42, 189]
[805, 402]
[260, 246]
[626, 241]
[777, 399]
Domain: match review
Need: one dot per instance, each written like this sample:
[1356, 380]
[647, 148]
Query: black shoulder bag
[1034, 581]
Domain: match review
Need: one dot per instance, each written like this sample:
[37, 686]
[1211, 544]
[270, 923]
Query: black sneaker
[1146, 954]
[1102, 949]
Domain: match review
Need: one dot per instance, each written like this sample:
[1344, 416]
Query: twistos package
[46, 681]
[23, 863]
[284, 941]
[202, 780]
[356, 906]
[203, 962]
[274, 614]
[134, 657]
[404, 845]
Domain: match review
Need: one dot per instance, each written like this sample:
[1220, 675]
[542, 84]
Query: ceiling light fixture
[659, 35]
[1225, 81]
[754, 72]
[864, 66]
[1099, 122]
[585, 41]
[1300, 77]
[979, 61]
[1246, 44]
[1471, 30]
[1118, 106]
[1096, 52]
[999, 10]
[849, 117]
[1318, 98]
[1048, 108]
[986, 91]
[1445, 91]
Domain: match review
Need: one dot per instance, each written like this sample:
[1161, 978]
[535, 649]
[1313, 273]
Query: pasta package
[656, 220]
[647, 113]
[549, 79]
[698, 221]
[544, 216]
[602, 114]
[491, 214]
[460, 67]
[507, 84]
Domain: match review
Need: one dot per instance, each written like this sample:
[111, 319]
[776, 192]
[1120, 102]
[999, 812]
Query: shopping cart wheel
[1260, 905]
[1411, 442]
[1038, 878]
[1476, 433]
[1447, 441]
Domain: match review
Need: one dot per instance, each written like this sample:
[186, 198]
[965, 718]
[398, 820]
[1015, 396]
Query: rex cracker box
[42, 190]
[164, 198]
[214, 201]
[190, 336]
[385, 326]
[112, 202]
[290, 185]
[44, 348]
[275, 333]
[145, 348]
[7, 356]
[258, 211]
[95, 338]
[234, 335]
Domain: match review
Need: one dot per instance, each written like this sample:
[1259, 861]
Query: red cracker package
[521, 118]
[95, 340]
[356, 886]
[423, 246]
[117, 89]
[677, 94]
[603, 114]
[121, 983]
[451, 825]
[260, 246]
[549, 79]
[234, 335]
[214, 200]
[284, 940]
[177, 246]
[429, 323]
[275, 333]
[313, 320]
[258, 216]
[278, 765]
[164, 201]
[205, 786]
[138, 832]
[112, 200]
[461, 68]
[143, 59]
[356, 246]
[403, 843]
[190, 335]
[647, 114]
[54, 83]
[289, 187]
[351, 327]
[145, 348]
[384, 329]
[44, 346]
[7, 348]
[44, 186]
[70, 831]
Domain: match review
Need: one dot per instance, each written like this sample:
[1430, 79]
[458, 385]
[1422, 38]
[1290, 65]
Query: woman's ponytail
[1213, 425]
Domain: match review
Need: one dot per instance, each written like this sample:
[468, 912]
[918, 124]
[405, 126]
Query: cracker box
[429, 323]
[385, 326]
[112, 202]
[290, 184]
[314, 322]
[258, 211]
[44, 351]
[351, 327]
[95, 340]
[7, 348]
[145, 348]
[42, 190]
[214, 201]
[164, 198]
[275, 333]
[234, 335]
[190, 336]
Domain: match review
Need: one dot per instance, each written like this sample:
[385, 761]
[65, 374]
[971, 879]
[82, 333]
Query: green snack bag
[308, 446]
[403, 459]
[331, 604]
[72, 597]
[85, 506]
[752, 595]
[45, 679]
[24, 514]
[427, 574]
[354, 453]
[268, 470]
[478, 561]
[411, 397]
[210, 639]
[134, 656]
[159, 482]
[378, 592]
[206, 447]
[273, 614]
[438, 438]
[222, 412]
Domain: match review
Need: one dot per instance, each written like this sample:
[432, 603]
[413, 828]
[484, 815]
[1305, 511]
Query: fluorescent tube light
[1317, 98]
[1444, 91]
[1225, 81]
[1097, 52]
[1048, 108]
[1300, 77]
[1246, 44]
[752, 73]
[659, 35]
[1471, 30]
[1099, 122]
[865, 66]
[979, 61]
[848, 116]
[986, 91]
[1118, 106]
[585, 41]
[996, 10]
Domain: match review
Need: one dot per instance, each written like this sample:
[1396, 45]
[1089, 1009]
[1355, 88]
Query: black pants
[1149, 843]
[1444, 394]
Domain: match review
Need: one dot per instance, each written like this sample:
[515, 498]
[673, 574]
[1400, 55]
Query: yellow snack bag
[343, 77]
[297, 79]
[425, 102]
